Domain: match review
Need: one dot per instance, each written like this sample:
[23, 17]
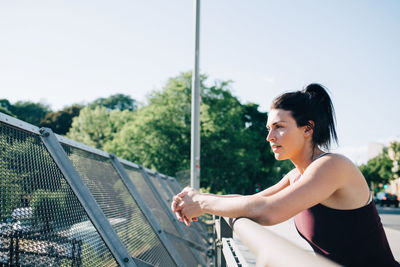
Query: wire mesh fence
[46, 221]
[42, 221]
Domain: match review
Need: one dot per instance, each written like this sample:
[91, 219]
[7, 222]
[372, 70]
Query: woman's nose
[269, 136]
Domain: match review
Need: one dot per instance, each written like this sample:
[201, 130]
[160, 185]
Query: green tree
[234, 155]
[6, 111]
[159, 135]
[394, 155]
[117, 101]
[60, 122]
[5, 104]
[97, 126]
[25, 166]
[29, 111]
[235, 149]
[378, 169]
[5, 107]
[48, 208]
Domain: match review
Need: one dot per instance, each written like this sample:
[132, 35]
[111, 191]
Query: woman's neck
[305, 158]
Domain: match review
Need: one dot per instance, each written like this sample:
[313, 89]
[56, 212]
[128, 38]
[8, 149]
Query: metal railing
[64, 203]
[268, 248]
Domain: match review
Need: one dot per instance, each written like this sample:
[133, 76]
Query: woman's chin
[279, 156]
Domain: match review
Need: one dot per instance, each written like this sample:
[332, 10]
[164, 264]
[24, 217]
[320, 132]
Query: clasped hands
[186, 205]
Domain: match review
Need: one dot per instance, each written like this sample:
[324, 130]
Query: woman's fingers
[179, 216]
[173, 204]
[182, 194]
[186, 220]
[176, 200]
[183, 218]
[178, 205]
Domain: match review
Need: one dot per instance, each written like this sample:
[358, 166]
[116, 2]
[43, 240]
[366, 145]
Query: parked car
[387, 199]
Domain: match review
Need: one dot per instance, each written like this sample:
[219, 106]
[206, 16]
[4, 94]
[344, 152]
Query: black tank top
[349, 237]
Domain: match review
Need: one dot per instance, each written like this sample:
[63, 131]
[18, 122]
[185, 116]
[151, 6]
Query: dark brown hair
[311, 104]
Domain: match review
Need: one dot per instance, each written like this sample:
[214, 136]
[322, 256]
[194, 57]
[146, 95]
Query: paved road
[388, 210]
[390, 218]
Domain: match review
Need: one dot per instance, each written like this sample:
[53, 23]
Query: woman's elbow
[265, 220]
[264, 215]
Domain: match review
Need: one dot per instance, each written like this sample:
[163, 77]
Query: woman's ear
[309, 129]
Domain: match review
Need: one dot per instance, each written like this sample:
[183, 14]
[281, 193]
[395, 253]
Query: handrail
[272, 250]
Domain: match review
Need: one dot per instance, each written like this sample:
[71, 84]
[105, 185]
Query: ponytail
[311, 104]
[325, 133]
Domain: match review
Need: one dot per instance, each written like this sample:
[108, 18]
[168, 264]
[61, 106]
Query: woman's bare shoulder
[333, 164]
[352, 190]
[337, 159]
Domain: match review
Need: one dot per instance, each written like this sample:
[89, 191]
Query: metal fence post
[146, 211]
[86, 199]
[223, 231]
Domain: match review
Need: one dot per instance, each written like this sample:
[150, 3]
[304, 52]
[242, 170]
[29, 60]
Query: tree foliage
[6, 111]
[378, 169]
[159, 135]
[32, 180]
[29, 111]
[394, 155]
[25, 110]
[60, 121]
[95, 127]
[5, 107]
[234, 155]
[117, 101]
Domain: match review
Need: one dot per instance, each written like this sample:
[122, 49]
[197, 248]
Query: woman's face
[286, 139]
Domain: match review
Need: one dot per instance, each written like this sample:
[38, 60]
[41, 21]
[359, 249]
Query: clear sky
[65, 52]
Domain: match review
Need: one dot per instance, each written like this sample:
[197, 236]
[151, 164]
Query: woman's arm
[283, 183]
[321, 179]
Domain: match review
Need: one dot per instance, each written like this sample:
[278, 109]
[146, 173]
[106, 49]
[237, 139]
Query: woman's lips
[275, 147]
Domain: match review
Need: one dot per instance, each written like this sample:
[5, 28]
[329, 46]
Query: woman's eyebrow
[274, 123]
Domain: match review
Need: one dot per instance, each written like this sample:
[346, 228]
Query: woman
[325, 192]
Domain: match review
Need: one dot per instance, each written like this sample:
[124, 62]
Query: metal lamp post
[195, 129]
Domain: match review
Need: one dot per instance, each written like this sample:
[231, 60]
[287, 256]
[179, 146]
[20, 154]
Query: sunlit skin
[332, 180]
[288, 141]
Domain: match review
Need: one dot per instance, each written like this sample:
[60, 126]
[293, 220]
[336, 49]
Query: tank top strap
[369, 199]
[321, 155]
